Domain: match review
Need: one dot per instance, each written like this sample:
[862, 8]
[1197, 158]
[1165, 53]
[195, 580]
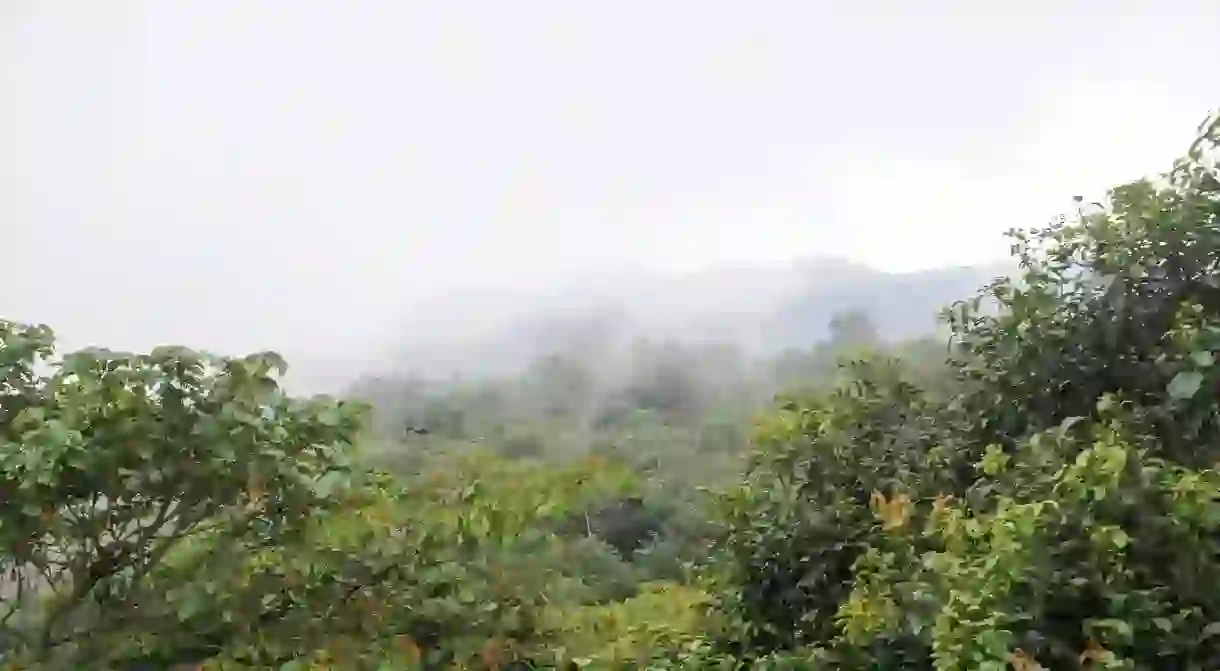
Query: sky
[248, 174]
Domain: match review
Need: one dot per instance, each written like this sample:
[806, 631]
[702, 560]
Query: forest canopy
[1038, 490]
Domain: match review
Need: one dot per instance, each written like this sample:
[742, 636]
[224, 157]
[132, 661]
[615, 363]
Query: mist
[463, 188]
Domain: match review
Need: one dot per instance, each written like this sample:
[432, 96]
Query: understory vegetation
[1038, 489]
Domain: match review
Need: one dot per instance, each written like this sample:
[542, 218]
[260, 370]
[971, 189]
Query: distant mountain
[902, 305]
[763, 309]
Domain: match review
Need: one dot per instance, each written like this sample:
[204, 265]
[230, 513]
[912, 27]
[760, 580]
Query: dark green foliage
[798, 524]
[1123, 302]
[626, 525]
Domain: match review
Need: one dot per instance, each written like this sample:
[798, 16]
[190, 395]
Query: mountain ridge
[761, 308]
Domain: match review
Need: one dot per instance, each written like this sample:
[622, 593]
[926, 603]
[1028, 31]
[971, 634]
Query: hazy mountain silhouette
[763, 309]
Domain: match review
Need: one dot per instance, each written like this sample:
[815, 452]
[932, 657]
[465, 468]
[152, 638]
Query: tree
[1123, 301]
[800, 520]
[112, 465]
[1051, 501]
[852, 329]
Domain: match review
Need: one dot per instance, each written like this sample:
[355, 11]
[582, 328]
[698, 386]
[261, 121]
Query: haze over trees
[1038, 489]
[759, 309]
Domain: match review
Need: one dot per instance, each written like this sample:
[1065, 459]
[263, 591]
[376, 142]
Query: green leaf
[330, 416]
[191, 605]
[328, 484]
[1185, 384]
[1120, 627]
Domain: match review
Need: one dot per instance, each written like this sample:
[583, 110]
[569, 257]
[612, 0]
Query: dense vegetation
[1042, 492]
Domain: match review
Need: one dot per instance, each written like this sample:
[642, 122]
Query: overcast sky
[242, 174]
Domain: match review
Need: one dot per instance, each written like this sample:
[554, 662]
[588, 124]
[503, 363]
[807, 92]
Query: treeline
[683, 409]
[1049, 499]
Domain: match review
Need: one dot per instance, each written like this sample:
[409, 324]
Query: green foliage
[1048, 500]
[110, 463]
[801, 519]
[1123, 301]
[655, 626]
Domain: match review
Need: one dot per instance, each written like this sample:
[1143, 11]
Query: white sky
[239, 174]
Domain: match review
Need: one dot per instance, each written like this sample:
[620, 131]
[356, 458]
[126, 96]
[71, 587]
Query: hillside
[761, 309]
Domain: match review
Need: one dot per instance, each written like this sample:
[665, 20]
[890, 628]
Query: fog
[362, 184]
